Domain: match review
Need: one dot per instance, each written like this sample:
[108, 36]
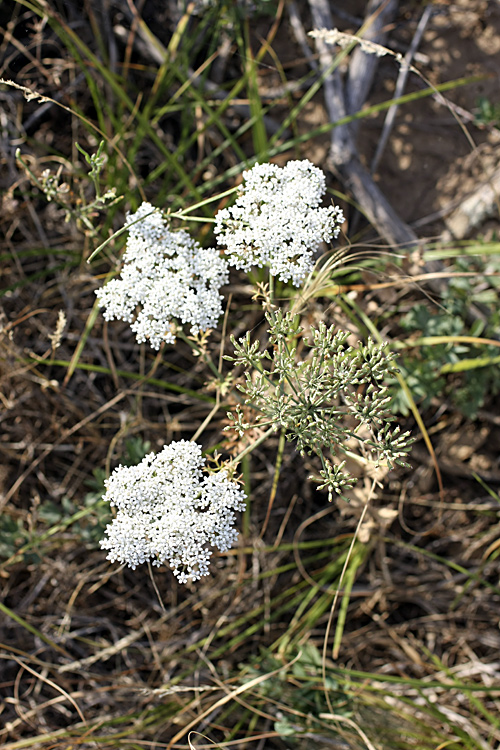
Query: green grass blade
[31, 629]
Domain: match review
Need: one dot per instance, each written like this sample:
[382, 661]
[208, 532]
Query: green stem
[34, 178]
[203, 354]
[119, 232]
[201, 219]
[181, 214]
[271, 294]
[254, 445]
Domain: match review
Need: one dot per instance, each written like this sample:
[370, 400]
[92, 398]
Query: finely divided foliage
[276, 220]
[317, 399]
[169, 511]
[167, 279]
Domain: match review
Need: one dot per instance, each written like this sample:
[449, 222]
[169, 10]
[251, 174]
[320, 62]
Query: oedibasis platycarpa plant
[171, 508]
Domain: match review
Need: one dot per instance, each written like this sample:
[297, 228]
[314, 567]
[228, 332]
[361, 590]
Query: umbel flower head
[167, 279]
[170, 511]
[276, 220]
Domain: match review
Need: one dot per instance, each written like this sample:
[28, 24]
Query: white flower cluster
[167, 278]
[276, 220]
[170, 511]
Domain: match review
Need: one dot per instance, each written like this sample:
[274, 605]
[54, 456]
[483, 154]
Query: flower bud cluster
[170, 511]
[276, 220]
[167, 279]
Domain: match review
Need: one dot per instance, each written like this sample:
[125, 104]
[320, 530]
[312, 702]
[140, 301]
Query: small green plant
[487, 113]
[13, 535]
[301, 688]
[76, 205]
[452, 357]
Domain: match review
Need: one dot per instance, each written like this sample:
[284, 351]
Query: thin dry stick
[400, 84]
[156, 589]
[401, 282]
[192, 747]
[350, 723]
[52, 685]
[300, 34]
[103, 654]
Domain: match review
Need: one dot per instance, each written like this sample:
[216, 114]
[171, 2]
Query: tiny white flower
[170, 511]
[167, 279]
[276, 220]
